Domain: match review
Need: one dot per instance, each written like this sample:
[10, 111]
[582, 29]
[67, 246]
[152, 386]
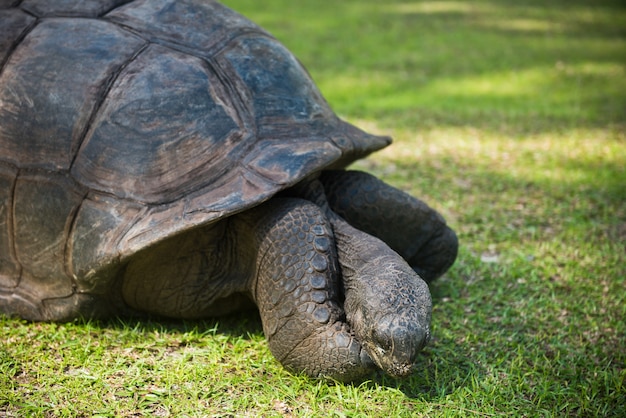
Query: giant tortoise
[171, 158]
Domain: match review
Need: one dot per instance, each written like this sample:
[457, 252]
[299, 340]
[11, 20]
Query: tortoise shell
[123, 123]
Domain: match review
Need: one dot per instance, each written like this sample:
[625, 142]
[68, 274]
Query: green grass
[510, 118]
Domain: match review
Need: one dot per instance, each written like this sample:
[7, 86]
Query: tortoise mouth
[402, 370]
[394, 367]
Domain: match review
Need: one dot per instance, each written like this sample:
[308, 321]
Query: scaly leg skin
[296, 290]
[409, 226]
[386, 303]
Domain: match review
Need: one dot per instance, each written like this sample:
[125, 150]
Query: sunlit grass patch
[557, 95]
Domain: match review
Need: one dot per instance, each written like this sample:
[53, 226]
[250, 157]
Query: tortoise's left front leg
[296, 288]
[409, 226]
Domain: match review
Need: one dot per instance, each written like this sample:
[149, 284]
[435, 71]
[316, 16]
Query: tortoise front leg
[386, 303]
[409, 226]
[296, 289]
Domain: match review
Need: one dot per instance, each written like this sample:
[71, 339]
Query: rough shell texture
[125, 122]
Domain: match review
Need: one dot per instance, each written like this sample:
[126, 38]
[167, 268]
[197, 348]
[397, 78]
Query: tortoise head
[389, 309]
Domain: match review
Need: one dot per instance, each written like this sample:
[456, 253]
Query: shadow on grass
[439, 371]
[241, 325]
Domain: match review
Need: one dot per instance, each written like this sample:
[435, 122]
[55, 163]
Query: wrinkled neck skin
[386, 303]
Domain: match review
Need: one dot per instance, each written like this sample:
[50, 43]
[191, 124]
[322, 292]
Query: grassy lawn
[510, 118]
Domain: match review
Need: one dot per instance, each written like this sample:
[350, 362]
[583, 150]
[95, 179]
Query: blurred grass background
[510, 118]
